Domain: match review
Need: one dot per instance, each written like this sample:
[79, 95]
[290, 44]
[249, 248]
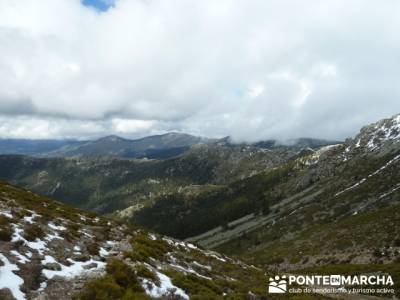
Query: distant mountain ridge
[162, 146]
[155, 146]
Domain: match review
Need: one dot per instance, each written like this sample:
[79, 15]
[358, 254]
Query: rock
[5, 294]
[52, 266]
[90, 266]
[80, 257]
[96, 257]
[42, 297]
[124, 246]
[58, 278]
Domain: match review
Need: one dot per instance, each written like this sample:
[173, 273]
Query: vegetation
[5, 229]
[33, 232]
[174, 214]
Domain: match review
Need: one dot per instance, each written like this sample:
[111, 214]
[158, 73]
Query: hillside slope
[53, 251]
[106, 184]
[272, 217]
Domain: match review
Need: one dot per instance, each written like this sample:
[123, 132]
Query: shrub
[144, 272]
[144, 248]
[131, 295]
[101, 289]
[4, 221]
[203, 288]
[6, 233]
[93, 248]
[123, 274]
[33, 232]
[120, 282]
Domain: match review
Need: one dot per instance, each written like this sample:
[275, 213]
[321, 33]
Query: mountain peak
[379, 134]
[111, 138]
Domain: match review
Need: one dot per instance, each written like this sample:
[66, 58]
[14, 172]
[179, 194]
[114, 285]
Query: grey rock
[90, 266]
[52, 266]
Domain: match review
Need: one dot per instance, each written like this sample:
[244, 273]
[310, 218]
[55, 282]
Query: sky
[251, 69]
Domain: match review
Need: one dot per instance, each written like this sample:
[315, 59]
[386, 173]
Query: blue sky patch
[102, 5]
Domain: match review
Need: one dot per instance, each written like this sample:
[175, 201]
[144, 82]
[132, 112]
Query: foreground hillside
[51, 251]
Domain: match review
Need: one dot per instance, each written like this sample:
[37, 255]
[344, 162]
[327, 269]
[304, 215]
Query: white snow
[369, 176]
[385, 132]
[214, 255]
[390, 192]
[6, 213]
[38, 245]
[103, 252]
[165, 287]
[76, 268]
[202, 266]
[29, 219]
[55, 227]
[48, 260]
[86, 234]
[190, 270]
[351, 187]
[43, 285]
[191, 246]
[21, 258]
[51, 237]
[10, 280]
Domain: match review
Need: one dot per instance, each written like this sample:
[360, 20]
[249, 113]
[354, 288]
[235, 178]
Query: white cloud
[251, 69]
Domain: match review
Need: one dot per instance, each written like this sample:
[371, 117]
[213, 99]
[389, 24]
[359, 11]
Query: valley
[311, 206]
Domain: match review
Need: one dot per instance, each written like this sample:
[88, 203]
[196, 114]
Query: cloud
[250, 69]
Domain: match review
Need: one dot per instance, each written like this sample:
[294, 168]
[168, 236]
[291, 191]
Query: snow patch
[6, 213]
[369, 176]
[9, 280]
[29, 219]
[55, 227]
[37, 245]
[21, 258]
[76, 268]
[103, 252]
[166, 287]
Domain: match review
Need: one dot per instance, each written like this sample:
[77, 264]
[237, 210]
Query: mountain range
[303, 206]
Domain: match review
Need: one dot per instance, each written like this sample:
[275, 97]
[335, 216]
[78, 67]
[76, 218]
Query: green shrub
[101, 289]
[123, 275]
[132, 295]
[144, 248]
[120, 282]
[144, 272]
[194, 285]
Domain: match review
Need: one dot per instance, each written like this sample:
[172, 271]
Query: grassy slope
[127, 269]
